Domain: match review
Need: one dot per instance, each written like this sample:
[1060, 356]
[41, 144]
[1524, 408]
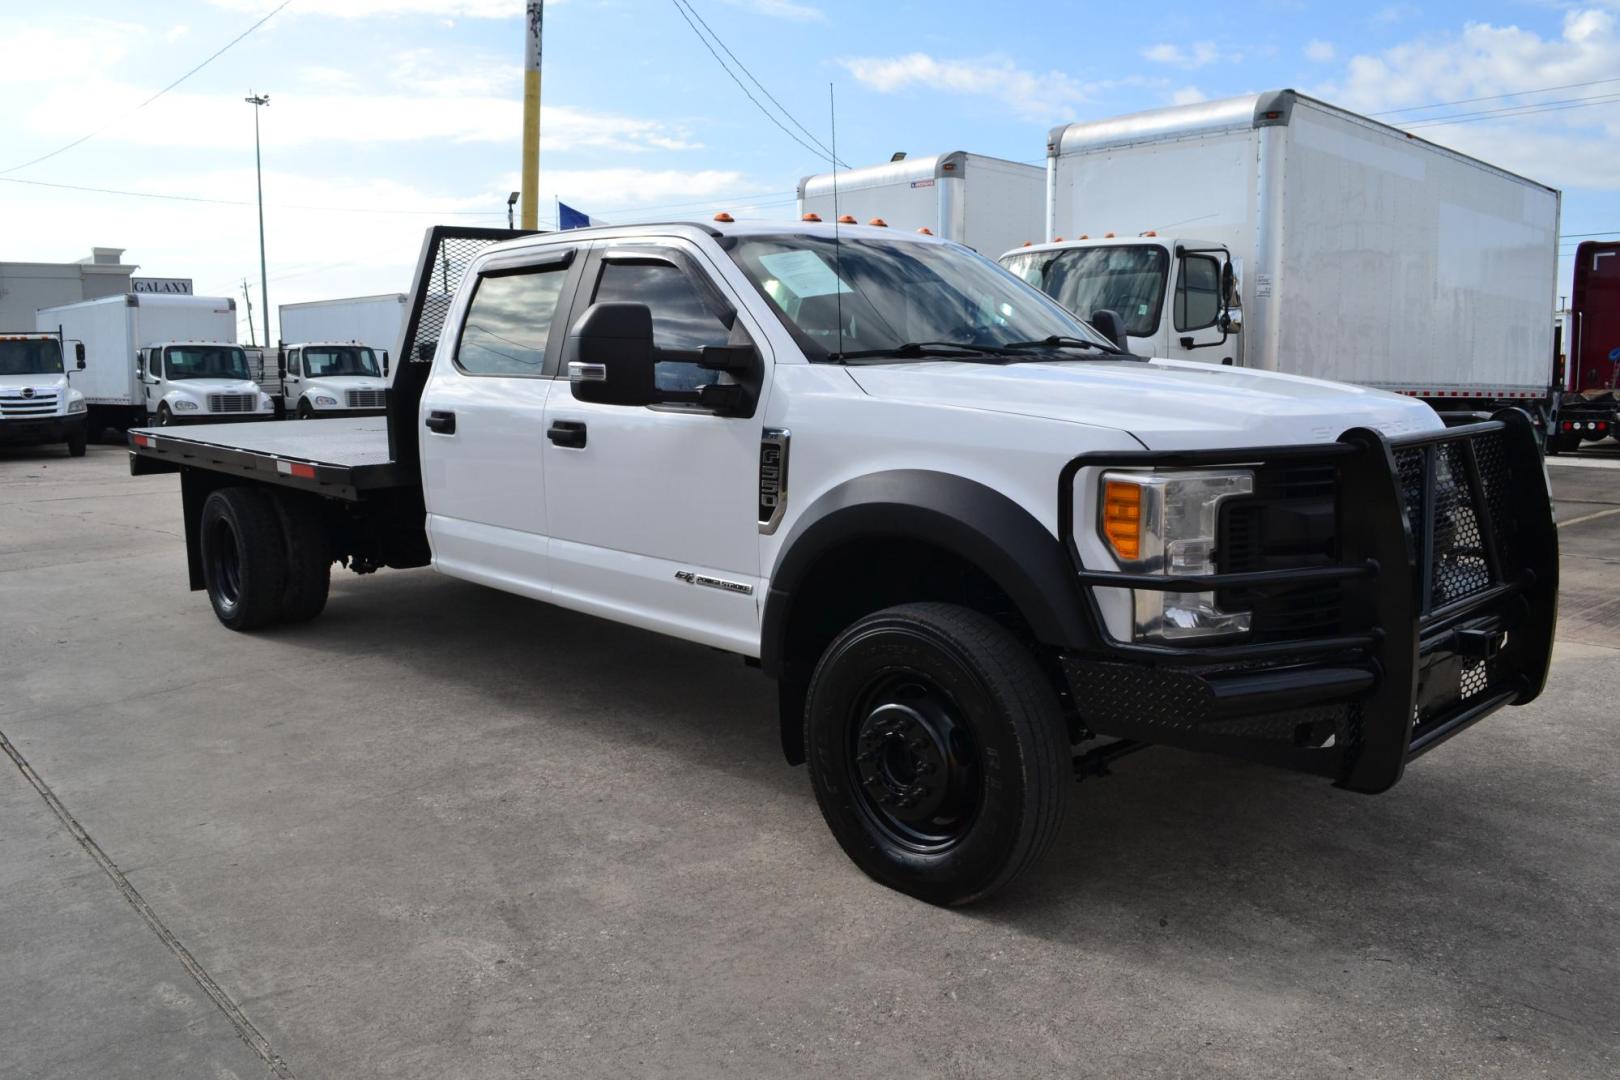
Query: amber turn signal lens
[1122, 518]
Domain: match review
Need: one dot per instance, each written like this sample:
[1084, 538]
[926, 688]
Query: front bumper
[45, 429]
[340, 413]
[1445, 575]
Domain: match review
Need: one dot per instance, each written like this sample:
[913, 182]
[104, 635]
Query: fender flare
[975, 522]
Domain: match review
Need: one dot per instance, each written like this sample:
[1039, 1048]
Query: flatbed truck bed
[345, 459]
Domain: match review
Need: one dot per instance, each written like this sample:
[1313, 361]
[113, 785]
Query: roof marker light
[847, 219]
[724, 217]
[1151, 232]
[879, 222]
[811, 217]
[925, 230]
[1108, 236]
[1028, 244]
[1085, 236]
[1057, 239]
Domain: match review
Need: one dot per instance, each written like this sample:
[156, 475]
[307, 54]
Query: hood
[1165, 404]
[340, 383]
[48, 380]
[214, 386]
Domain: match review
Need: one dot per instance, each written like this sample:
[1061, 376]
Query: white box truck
[153, 358]
[984, 202]
[334, 356]
[1277, 232]
[38, 401]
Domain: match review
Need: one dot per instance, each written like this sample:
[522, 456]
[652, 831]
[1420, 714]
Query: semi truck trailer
[1589, 408]
[981, 550]
[983, 202]
[152, 358]
[1280, 233]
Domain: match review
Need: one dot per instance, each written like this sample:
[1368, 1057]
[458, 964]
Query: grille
[365, 399]
[42, 403]
[231, 403]
[1287, 524]
[1453, 538]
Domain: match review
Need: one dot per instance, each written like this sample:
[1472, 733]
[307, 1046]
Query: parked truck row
[981, 549]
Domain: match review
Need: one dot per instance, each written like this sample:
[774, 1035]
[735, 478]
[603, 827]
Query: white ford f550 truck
[979, 550]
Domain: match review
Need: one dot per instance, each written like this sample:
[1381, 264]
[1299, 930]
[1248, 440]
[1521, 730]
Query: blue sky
[409, 109]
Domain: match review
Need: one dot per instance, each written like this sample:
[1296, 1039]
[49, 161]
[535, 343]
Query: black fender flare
[982, 526]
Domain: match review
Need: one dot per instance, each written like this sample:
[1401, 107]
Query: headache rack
[1419, 596]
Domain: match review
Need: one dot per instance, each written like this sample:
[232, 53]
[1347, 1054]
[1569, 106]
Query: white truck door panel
[483, 437]
[654, 521]
[1193, 308]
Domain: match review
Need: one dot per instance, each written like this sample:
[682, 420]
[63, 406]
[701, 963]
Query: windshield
[322, 360]
[206, 362]
[876, 294]
[1126, 279]
[30, 356]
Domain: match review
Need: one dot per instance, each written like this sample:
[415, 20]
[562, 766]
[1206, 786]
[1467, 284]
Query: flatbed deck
[343, 458]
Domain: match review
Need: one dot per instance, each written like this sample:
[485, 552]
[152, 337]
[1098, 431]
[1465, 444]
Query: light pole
[511, 201]
[534, 19]
[256, 100]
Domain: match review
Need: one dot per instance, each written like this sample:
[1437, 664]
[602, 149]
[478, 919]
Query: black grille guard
[1447, 542]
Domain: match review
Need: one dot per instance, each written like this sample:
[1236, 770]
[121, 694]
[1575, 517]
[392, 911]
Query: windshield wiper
[946, 350]
[1058, 341]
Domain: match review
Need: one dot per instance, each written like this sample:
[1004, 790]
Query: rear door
[482, 443]
[654, 510]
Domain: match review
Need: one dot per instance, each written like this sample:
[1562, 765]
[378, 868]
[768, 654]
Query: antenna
[838, 251]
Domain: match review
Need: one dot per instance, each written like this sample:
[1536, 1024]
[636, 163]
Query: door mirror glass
[385, 363]
[610, 355]
[78, 353]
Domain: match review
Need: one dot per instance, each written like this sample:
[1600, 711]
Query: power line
[245, 202]
[121, 118]
[1494, 97]
[718, 41]
[1520, 110]
[746, 93]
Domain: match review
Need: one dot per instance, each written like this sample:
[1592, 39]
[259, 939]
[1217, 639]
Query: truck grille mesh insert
[231, 403]
[42, 403]
[365, 399]
[1455, 544]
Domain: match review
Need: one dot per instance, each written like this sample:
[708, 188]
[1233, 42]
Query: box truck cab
[198, 382]
[38, 403]
[1174, 297]
[333, 379]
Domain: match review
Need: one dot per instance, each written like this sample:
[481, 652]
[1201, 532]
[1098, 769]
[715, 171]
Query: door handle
[442, 422]
[570, 433]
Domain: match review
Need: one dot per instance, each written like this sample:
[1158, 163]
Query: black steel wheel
[244, 557]
[937, 750]
[306, 411]
[165, 418]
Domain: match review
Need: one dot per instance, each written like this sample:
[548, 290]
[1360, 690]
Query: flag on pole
[569, 218]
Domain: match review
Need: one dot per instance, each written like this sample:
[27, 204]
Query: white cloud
[1188, 95]
[1566, 148]
[1319, 51]
[176, 32]
[36, 55]
[1032, 94]
[1198, 55]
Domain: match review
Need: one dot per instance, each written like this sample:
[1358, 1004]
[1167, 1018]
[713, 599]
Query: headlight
[322, 399]
[185, 406]
[1165, 523]
[76, 405]
[264, 403]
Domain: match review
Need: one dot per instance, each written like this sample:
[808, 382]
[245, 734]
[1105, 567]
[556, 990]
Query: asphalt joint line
[216, 993]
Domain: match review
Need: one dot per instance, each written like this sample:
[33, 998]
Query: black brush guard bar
[1393, 634]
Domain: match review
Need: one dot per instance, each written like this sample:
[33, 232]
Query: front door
[1195, 310]
[483, 443]
[654, 510]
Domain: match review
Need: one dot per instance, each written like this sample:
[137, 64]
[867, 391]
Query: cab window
[681, 320]
[509, 322]
[1198, 292]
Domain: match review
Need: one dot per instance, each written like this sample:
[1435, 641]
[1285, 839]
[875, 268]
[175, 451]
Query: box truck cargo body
[1278, 232]
[159, 358]
[365, 320]
[984, 202]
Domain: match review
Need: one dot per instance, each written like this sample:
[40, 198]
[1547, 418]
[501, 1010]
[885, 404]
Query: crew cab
[38, 403]
[980, 549]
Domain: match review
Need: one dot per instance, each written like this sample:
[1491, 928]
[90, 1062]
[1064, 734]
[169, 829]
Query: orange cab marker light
[879, 222]
[925, 230]
[847, 219]
[1085, 236]
[1122, 518]
[1057, 239]
[1108, 236]
[811, 217]
[723, 217]
[1151, 232]
[1028, 244]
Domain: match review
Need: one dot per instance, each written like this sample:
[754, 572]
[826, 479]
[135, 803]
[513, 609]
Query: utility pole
[533, 22]
[257, 101]
[248, 300]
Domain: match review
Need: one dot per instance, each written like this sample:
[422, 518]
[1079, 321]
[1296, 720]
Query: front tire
[244, 557]
[77, 441]
[309, 557]
[165, 418]
[938, 751]
[306, 411]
